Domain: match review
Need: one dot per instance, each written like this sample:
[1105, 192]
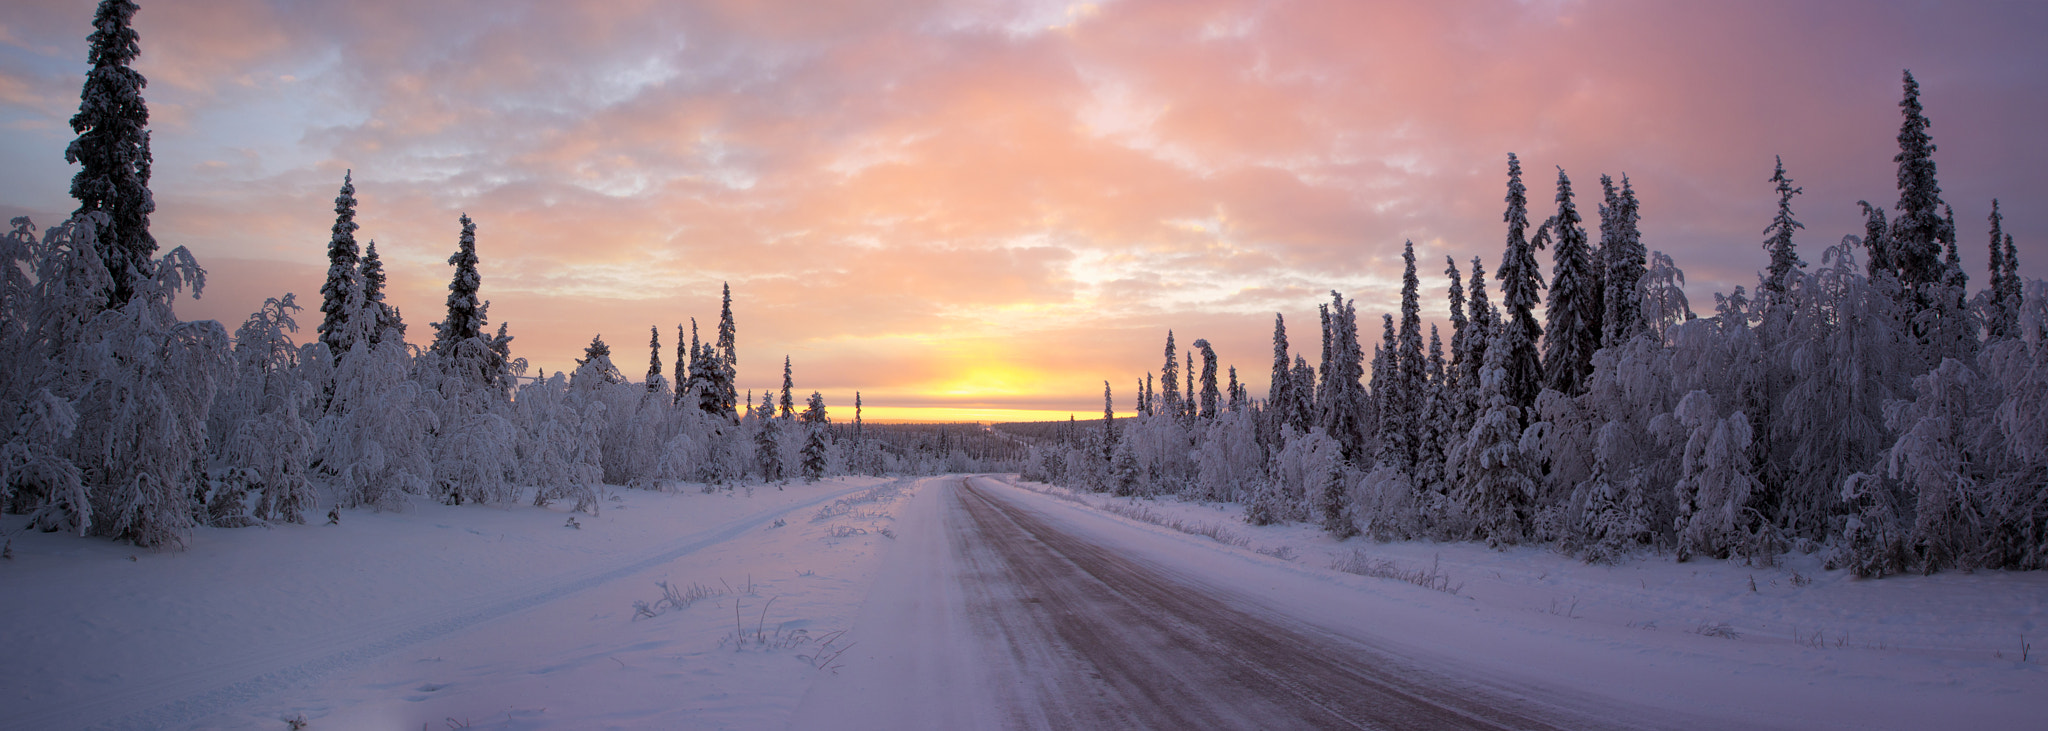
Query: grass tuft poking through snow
[1363, 565]
[676, 598]
[1718, 629]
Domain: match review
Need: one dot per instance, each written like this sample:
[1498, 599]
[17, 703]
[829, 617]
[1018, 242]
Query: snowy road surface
[993, 615]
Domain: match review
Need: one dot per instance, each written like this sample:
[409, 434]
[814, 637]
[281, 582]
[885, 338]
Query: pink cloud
[900, 191]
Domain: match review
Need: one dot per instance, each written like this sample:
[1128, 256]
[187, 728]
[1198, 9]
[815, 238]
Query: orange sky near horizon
[982, 210]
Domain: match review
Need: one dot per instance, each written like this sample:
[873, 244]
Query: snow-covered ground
[445, 616]
[510, 618]
[1807, 648]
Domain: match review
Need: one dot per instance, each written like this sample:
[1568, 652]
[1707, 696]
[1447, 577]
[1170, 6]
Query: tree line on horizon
[1881, 413]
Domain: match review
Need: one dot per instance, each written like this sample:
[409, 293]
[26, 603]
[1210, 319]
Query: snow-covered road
[969, 602]
[996, 614]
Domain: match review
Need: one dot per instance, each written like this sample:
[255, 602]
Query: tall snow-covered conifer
[1280, 392]
[112, 149]
[788, 398]
[344, 292]
[1520, 280]
[1784, 258]
[2003, 321]
[1624, 260]
[1459, 323]
[1573, 331]
[815, 449]
[1209, 394]
[1346, 416]
[1169, 379]
[654, 359]
[465, 312]
[1916, 235]
[1411, 368]
[373, 293]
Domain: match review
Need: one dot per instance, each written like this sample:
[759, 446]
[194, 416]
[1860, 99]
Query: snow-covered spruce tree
[1572, 328]
[344, 289]
[262, 443]
[1390, 429]
[1412, 372]
[655, 383]
[54, 288]
[473, 459]
[788, 397]
[465, 320]
[1914, 242]
[767, 440]
[150, 382]
[1433, 427]
[1169, 379]
[640, 427]
[1210, 394]
[1520, 281]
[388, 324]
[1844, 348]
[1346, 414]
[1453, 371]
[2013, 503]
[1109, 435]
[1124, 473]
[1304, 377]
[1716, 484]
[1624, 261]
[815, 422]
[725, 381]
[689, 381]
[1494, 476]
[1784, 258]
[2001, 317]
[707, 378]
[1485, 320]
[1873, 542]
[595, 366]
[559, 453]
[1227, 456]
[373, 442]
[1279, 391]
[2014, 298]
[1627, 501]
[1948, 449]
[112, 151]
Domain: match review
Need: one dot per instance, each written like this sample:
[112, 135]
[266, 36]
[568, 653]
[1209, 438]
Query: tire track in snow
[140, 709]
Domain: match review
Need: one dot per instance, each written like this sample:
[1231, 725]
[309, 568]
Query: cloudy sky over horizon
[982, 209]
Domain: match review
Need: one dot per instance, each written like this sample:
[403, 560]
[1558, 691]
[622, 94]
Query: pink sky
[982, 210]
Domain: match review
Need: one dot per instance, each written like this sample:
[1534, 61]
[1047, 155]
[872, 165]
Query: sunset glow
[980, 211]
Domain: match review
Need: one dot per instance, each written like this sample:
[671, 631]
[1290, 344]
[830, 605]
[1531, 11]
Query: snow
[510, 618]
[1908, 652]
[500, 618]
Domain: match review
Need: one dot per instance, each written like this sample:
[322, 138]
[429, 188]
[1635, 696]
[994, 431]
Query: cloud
[1007, 203]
